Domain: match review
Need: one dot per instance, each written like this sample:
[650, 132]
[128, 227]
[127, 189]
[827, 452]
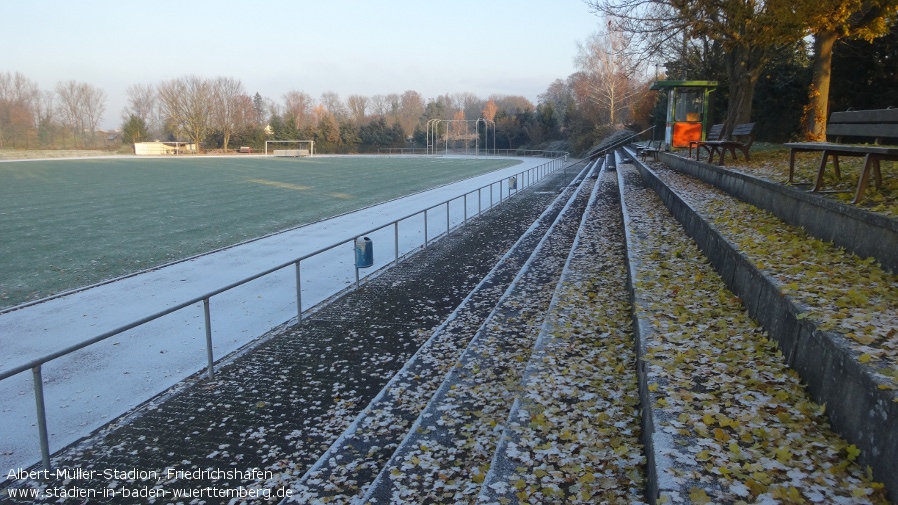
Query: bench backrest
[715, 132]
[875, 124]
[743, 130]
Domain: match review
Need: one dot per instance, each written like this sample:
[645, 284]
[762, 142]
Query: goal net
[290, 148]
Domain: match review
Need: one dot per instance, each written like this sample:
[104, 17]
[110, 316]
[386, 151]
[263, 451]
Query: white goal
[294, 148]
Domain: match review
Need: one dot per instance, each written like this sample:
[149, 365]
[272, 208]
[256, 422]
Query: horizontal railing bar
[174, 308]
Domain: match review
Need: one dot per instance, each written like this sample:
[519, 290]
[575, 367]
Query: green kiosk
[688, 110]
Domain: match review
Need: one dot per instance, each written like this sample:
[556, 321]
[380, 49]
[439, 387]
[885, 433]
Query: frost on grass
[741, 425]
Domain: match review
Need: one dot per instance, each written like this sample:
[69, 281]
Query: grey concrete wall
[863, 233]
[858, 410]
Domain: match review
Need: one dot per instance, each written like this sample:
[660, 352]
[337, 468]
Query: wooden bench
[742, 138]
[653, 148]
[877, 125]
[713, 135]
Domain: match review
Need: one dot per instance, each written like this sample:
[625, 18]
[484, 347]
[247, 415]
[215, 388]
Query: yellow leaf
[783, 455]
[853, 452]
[863, 358]
[478, 478]
[698, 496]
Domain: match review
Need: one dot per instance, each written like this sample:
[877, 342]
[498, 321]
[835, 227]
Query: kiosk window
[688, 105]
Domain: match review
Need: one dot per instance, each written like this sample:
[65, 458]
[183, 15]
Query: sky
[349, 47]
[86, 389]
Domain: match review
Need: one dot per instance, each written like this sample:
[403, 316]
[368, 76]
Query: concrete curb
[861, 232]
[858, 410]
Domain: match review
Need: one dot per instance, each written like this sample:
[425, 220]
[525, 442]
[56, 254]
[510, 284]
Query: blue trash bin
[364, 252]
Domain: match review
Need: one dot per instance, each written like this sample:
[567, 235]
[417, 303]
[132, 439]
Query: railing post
[396, 240]
[491, 194]
[298, 294]
[211, 360]
[447, 219]
[41, 416]
[479, 201]
[466, 209]
[425, 228]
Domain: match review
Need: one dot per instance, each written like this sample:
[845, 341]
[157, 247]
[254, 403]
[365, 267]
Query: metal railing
[521, 181]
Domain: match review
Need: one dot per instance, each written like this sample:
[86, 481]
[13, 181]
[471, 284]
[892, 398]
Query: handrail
[602, 150]
[36, 364]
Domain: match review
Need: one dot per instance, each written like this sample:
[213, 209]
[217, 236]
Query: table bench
[878, 125]
[742, 138]
[642, 151]
[713, 135]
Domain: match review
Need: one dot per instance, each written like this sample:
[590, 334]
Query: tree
[134, 130]
[411, 108]
[187, 104]
[298, 105]
[357, 107]
[748, 31]
[19, 105]
[332, 104]
[229, 106]
[610, 75]
[490, 109]
[141, 104]
[93, 103]
[830, 21]
[69, 106]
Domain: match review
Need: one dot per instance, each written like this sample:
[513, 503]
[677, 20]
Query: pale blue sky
[346, 46]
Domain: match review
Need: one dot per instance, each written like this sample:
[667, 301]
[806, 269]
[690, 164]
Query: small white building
[163, 148]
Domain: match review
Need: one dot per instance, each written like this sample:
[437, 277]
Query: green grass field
[70, 223]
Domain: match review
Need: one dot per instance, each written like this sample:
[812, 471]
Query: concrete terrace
[635, 335]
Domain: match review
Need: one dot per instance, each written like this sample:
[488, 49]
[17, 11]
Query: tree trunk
[743, 76]
[818, 94]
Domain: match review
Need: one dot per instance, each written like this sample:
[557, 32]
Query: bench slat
[865, 116]
[863, 130]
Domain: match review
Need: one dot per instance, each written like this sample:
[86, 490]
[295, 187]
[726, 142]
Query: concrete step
[343, 472]
[573, 434]
[725, 418]
[447, 452]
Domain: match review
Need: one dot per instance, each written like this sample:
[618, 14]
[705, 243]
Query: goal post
[298, 148]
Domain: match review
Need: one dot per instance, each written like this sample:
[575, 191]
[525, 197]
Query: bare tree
[610, 74]
[19, 99]
[298, 105]
[93, 103]
[332, 103]
[469, 103]
[227, 106]
[69, 106]
[141, 104]
[186, 104]
[357, 107]
[411, 109]
[379, 105]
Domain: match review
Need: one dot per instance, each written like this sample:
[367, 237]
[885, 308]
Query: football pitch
[65, 224]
